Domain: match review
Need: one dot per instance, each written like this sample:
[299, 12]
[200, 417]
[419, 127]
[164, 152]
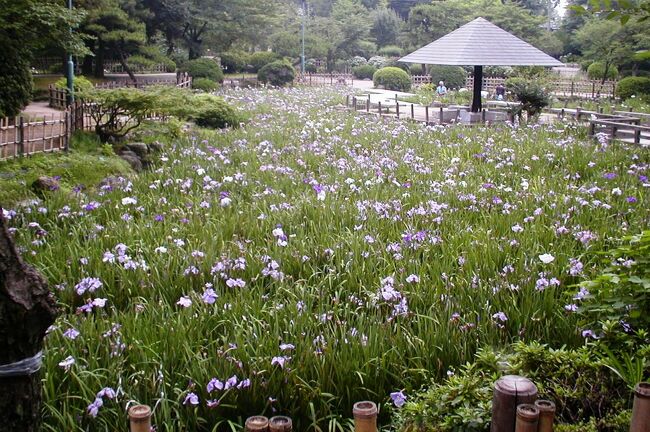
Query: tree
[27, 309]
[603, 41]
[386, 26]
[26, 26]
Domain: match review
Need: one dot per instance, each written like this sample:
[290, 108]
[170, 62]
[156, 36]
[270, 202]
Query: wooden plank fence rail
[626, 131]
[318, 79]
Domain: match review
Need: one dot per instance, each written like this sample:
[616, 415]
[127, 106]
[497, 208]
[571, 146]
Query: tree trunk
[87, 66]
[27, 309]
[126, 67]
[99, 60]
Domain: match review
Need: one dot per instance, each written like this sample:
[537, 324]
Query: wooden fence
[560, 86]
[318, 79]
[58, 97]
[41, 133]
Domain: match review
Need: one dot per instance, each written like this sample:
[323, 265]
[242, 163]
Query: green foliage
[141, 63]
[213, 112]
[357, 61]
[633, 87]
[621, 292]
[15, 83]
[385, 28]
[390, 51]
[278, 73]
[259, 59]
[203, 68]
[234, 61]
[392, 78]
[406, 67]
[204, 84]
[83, 166]
[583, 389]
[453, 76]
[364, 71]
[530, 93]
[81, 84]
[310, 66]
[596, 71]
[378, 61]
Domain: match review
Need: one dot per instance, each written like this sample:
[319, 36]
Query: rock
[156, 146]
[132, 159]
[139, 148]
[45, 184]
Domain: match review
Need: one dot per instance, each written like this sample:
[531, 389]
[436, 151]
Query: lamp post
[70, 70]
[302, 57]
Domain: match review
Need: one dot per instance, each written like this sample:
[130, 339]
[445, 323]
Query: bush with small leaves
[596, 71]
[390, 51]
[364, 71]
[259, 59]
[633, 87]
[15, 83]
[310, 66]
[392, 78]
[378, 61]
[454, 77]
[357, 61]
[204, 84]
[203, 68]
[278, 73]
[214, 113]
[234, 61]
[81, 84]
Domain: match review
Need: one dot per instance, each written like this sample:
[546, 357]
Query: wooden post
[365, 416]
[347, 101]
[68, 127]
[412, 112]
[546, 415]
[380, 113]
[572, 88]
[592, 128]
[21, 131]
[614, 130]
[578, 110]
[527, 418]
[368, 104]
[140, 418]
[641, 408]
[593, 89]
[331, 78]
[441, 115]
[397, 108]
[426, 114]
[637, 136]
[354, 102]
[257, 424]
[509, 392]
[280, 424]
[27, 309]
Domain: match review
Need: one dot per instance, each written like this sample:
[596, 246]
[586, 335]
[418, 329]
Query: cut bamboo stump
[280, 424]
[641, 408]
[509, 392]
[365, 416]
[527, 418]
[140, 418]
[546, 415]
[257, 424]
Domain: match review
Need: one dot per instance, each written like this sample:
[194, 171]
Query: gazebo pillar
[478, 85]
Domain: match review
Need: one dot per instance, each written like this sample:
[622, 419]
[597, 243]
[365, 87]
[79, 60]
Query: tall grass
[467, 211]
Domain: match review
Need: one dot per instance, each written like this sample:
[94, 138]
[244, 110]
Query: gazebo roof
[480, 43]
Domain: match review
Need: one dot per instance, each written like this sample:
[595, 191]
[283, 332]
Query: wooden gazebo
[480, 43]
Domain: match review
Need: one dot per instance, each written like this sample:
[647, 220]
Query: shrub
[530, 93]
[15, 82]
[378, 61]
[260, 59]
[453, 76]
[213, 112]
[81, 84]
[203, 68]
[596, 71]
[357, 61]
[234, 61]
[392, 78]
[633, 86]
[116, 112]
[277, 73]
[204, 84]
[140, 63]
[406, 67]
[391, 51]
[364, 71]
[310, 66]
[417, 69]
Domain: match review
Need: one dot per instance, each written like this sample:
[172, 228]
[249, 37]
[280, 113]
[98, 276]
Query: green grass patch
[84, 166]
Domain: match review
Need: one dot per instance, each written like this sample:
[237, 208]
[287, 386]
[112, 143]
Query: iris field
[314, 258]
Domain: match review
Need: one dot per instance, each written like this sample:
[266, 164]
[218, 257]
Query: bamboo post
[641, 408]
[354, 102]
[527, 418]
[546, 415]
[68, 124]
[441, 115]
[368, 104]
[21, 132]
[257, 424]
[380, 113]
[365, 416]
[140, 418]
[412, 112]
[509, 392]
[397, 108]
[426, 114]
[280, 424]
[637, 136]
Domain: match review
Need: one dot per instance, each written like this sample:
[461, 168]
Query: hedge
[392, 78]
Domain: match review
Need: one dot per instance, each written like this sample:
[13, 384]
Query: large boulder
[133, 159]
[139, 148]
[45, 184]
